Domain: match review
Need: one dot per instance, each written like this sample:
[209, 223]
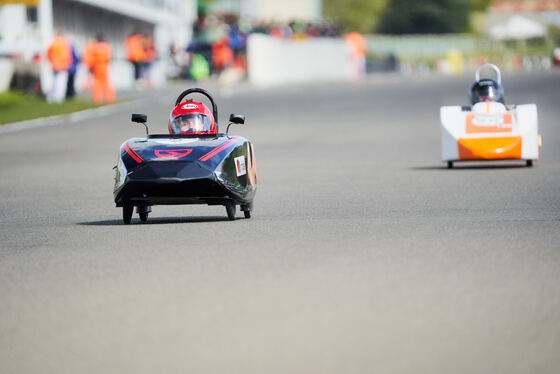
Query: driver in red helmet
[191, 117]
[190, 123]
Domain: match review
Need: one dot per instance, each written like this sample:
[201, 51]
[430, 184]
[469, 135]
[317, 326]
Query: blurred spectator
[98, 59]
[222, 55]
[556, 56]
[358, 53]
[299, 30]
[238, 44]
[70, 89]
[87, 56]
[276, 32]
[136, 53]
[312, 31]
[150, 55]
[59, 54]
[199, 68]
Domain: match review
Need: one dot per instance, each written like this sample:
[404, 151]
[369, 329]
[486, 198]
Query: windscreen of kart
[191, 123]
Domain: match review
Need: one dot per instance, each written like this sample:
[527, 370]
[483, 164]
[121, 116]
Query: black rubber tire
[143, 213]
[450, 164]
[247, 213]
[529, 163]
[127, 210]
[230, 209]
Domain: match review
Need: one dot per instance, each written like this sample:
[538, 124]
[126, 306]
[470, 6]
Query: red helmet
[192, 117]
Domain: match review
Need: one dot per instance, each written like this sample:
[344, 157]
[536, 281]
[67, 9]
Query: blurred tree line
[403, 16]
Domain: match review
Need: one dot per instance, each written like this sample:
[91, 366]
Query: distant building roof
[516, 6]
[517, 27]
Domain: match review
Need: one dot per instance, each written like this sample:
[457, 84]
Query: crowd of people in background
[64, 60]
[219, 44]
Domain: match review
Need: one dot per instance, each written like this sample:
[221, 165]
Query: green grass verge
[15, 106]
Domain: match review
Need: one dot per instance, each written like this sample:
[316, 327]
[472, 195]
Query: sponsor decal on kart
[240, 166]
[488, 120]
[485, 123]
[172, 153]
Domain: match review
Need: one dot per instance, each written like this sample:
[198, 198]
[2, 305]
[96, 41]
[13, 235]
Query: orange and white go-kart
[489, 131]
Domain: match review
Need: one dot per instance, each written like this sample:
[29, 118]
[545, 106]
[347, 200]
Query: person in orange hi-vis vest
[358, 53]
[87, 56]
[222, 54]
[150, 55]
[97, 57]
[59, 54]
[136, 53]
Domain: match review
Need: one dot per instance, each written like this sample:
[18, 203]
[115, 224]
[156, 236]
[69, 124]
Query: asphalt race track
[364, 254]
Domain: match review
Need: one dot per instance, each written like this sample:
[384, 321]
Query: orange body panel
[489, 148]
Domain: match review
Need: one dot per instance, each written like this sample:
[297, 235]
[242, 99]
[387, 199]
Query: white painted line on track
[31, 124]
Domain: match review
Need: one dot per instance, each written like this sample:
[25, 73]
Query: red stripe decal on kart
[219, 148]
[132, 153]
[172, 153]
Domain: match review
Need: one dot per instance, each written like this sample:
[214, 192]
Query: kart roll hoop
[203, 92]
[489, 66]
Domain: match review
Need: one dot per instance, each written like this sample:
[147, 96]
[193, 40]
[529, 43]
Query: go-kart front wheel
[127, 210]
[247, 210]
[143, 213]
[230, 209]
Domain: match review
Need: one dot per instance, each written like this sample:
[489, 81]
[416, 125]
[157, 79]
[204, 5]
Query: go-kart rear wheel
[529, 163]
[143, 213]
[230, 209]
[127, 210]
[450, 164]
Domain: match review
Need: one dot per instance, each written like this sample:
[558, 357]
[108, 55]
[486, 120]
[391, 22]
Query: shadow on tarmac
[471, 167]
[157, 221]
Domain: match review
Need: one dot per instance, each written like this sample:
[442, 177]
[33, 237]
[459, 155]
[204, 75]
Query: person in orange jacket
[59, 54]
[136, 53]
[222, 55]
[86, 60]
[97, 57]
[358, 53]
[150, 55]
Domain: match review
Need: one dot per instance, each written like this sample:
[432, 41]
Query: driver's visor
[190, 123]
[487, 93]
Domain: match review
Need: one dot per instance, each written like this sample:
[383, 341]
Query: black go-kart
[187, 168]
